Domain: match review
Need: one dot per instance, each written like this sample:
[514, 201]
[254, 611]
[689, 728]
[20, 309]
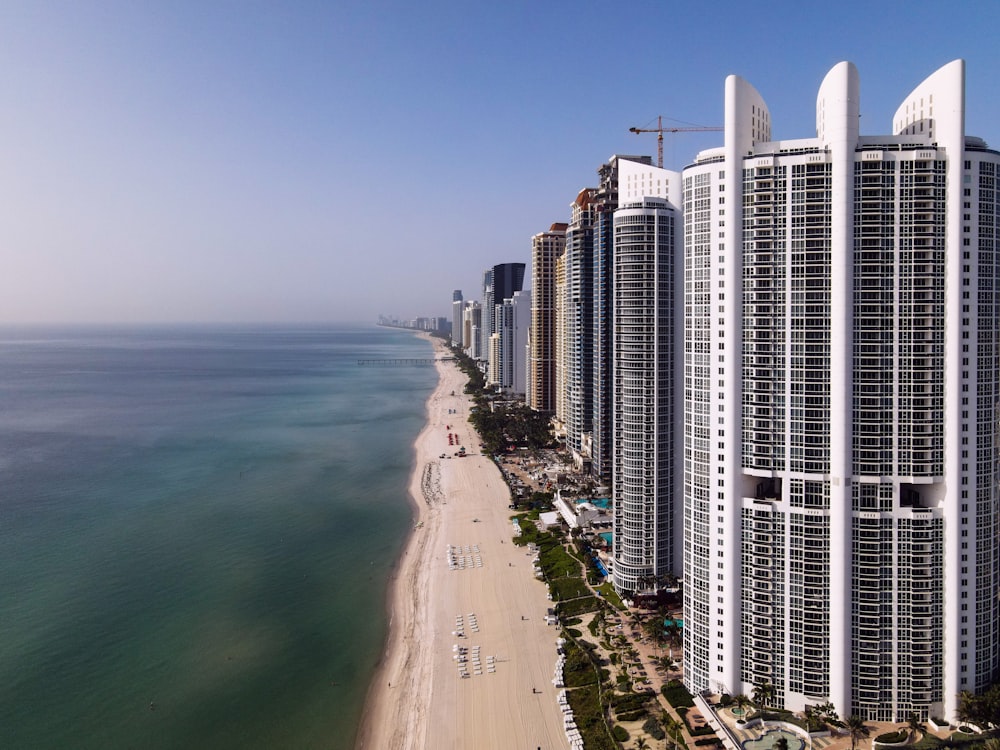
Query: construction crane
[660, 130]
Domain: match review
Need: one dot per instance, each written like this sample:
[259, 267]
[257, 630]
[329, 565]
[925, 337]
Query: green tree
[858, 730]
[826, 711]
[673, 729]
[763, 694]
[742, 701]
[781, 743]
[970, 708]
[653, 629]
[914, 724]
[674, 634]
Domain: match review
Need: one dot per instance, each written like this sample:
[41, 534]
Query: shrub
[893, 737]
[579, 606]
[677, 695]
[652, 727]
[632, 715]
[589, 717]
[620, 733]
[631, 701]
[725, 700]
[556, 562]
[815, 723]
[578, 669]
[567, 588]
[706, 741]
[701, 731]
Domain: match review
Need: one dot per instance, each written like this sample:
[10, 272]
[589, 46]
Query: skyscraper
[579, 331]
[647, 280]
[499, 283]
[486, 316]
[841, 472]
[513, 320]
[605, 201]
[472, 321]
[559, 358]
[546, 247]
[457, 312]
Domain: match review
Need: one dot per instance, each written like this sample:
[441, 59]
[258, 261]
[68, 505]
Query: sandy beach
[460, 573]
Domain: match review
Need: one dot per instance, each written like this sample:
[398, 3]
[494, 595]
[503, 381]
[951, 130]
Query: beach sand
[419, 699]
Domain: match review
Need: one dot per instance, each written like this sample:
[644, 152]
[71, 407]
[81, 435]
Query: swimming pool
[767, 740]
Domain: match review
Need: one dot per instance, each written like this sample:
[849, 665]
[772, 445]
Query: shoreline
[376, 697]
[461, 583]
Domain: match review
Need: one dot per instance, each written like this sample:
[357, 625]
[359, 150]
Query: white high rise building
[841, 383]
[513, 318]
[647, 327]
[514, 343]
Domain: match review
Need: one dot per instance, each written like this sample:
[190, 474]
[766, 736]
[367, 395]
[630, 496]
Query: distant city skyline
[192, 163]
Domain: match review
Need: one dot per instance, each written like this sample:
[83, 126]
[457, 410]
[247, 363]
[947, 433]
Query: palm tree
[858, 730]
[914, 725]
[969, 709]
[673, 635]
[641, 744]
[673, 729]
[781, 743]
[763, 693]
[653, 629]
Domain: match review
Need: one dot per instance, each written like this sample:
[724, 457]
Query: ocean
[197, 528]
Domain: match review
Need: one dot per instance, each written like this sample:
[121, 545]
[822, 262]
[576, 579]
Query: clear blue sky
[310, 161]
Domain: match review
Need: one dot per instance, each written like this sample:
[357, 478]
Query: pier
[403, 362]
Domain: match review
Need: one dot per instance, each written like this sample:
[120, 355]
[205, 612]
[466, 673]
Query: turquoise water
[607, 536]
[766, 741]
[597, 502]
[196, 531]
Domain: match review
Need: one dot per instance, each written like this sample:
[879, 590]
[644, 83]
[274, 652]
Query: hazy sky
[316, 161]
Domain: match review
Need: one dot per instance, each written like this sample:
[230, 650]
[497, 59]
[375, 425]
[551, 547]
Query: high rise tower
[513, 320]
[604, 201]
[457, 311]
[546, 247]
[472, 322]
[841, 469]
[499, 283]
[579, 331]
[648, 285]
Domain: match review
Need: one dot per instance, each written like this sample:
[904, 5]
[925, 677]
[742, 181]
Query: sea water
[197, 527]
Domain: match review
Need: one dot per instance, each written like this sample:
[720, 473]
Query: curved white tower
[647, 516]
[842, 480]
